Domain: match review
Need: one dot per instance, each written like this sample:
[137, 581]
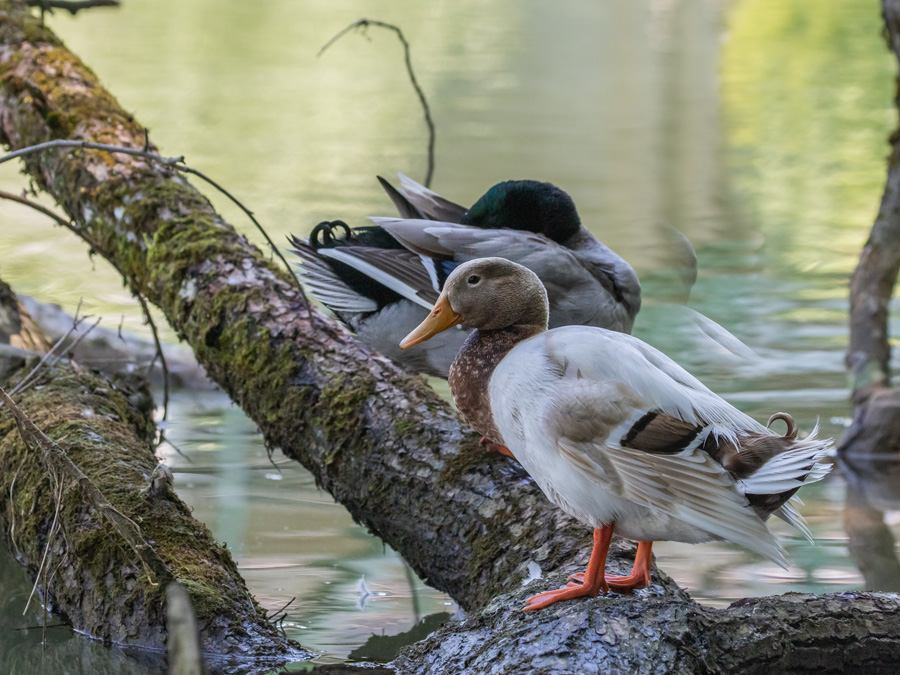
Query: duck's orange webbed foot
[496, 447]
[592, 581]
[570, 592]
[640, 573]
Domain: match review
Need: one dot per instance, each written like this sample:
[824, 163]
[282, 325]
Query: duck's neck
[473, 367]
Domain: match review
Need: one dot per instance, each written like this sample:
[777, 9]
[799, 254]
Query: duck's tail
[800, 463]
[323, 283]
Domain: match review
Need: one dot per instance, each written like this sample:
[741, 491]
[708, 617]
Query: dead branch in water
[363, 24]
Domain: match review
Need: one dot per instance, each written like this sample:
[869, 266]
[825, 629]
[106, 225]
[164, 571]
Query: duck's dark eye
[474, 279]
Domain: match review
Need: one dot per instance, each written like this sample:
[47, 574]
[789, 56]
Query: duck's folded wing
[324, 283]
[402, 271]
[430, 204]
[450, 241]
[663, 470]
[657, 382]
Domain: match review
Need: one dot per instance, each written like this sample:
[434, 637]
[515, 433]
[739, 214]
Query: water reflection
[290, 539]
[21, 648]
[869, 458]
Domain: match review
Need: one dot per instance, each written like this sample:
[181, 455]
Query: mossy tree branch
[79, 515]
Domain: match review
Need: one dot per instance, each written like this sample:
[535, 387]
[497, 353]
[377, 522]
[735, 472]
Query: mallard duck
[382, 280]
[614, 432]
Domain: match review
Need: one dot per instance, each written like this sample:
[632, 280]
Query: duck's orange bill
[441, 318]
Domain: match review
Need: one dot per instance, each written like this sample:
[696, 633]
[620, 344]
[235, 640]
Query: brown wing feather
[753, 452]
[660, 433]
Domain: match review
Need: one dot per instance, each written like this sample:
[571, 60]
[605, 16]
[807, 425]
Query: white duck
[614, 432]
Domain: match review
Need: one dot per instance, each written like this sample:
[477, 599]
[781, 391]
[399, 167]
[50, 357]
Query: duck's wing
[604, 356]
[430, 204]
[681, 482]
[632, 421]
[579, 294]
[451, 241]
[400, 270]
[324, 283]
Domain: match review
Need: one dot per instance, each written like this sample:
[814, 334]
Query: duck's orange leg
[593, 580]
[490, 445]
[640, 572]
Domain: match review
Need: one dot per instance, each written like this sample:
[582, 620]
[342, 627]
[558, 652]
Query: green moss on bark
[100, 585]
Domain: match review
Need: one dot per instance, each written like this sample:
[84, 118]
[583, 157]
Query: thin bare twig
[50, 536]
[165, 369]
[71, 6]
[50, 625]
[280, 609]
[365, 23]
[159, 355]
[52, 353]
[83, 335]
[37, 207]
[87, 145]
[176, 163]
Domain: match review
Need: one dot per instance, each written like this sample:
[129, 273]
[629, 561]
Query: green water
[757, 127]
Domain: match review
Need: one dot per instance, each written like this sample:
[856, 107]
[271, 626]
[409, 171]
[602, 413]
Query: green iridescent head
[528, 205]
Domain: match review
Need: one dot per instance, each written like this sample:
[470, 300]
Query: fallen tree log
[376, 437]
[115, 352]
[656, 632]
[101, 535]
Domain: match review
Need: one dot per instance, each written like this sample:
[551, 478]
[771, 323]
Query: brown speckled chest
[471, 373]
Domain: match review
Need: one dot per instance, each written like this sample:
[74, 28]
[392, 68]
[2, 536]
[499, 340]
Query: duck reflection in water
[869, 458]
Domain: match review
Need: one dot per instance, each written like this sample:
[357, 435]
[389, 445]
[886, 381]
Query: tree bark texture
[92, 574]
[57, 503]
[375, 436]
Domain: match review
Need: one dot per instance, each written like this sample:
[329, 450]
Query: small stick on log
[185, 654]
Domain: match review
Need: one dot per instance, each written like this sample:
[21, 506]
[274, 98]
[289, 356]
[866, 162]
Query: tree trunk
[375, 436]
[95, 574]
[873, 280]
[869, 453]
